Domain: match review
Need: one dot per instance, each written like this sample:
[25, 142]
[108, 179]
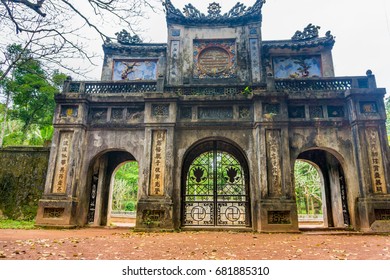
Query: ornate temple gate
[216, 79]
[215, 187]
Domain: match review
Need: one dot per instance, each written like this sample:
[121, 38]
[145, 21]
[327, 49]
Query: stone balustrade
[291, 85]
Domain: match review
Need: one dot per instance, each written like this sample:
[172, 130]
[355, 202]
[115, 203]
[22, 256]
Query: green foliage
[31, 93]
[307, 188]
[130, 206]
[16, 224]
[247, 91]
[125, 190]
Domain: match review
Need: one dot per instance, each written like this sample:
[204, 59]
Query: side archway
[100, 182]
[215, 186]
[334, 200]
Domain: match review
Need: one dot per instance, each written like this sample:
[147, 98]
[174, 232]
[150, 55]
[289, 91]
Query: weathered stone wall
[22, 180]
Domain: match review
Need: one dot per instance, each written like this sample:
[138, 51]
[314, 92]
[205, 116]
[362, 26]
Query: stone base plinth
[278, 216]
[154, 214]
[374, 213]
[56, 212]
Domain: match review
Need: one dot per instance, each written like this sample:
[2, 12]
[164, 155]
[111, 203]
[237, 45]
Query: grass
[15, 224]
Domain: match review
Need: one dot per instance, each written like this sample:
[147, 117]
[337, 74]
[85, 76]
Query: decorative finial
[214, 10]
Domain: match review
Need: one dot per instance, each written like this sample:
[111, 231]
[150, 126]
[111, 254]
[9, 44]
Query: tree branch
[36, 7]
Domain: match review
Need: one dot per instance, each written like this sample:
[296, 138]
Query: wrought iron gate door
[216, 192]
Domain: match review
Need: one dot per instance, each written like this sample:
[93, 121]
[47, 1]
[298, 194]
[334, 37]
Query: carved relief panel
[215, 59]
[274, 165]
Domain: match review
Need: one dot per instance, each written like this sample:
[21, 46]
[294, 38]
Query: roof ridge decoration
[123, 37]
[191, 15]
[309, 37]
[309, 32]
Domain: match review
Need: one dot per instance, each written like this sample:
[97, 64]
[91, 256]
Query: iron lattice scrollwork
[313, 84]
[216, 193]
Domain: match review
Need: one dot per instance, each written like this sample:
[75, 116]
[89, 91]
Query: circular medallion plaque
[214, 61]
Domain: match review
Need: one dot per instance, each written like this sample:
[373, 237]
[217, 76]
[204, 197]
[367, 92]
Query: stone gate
[216, 118]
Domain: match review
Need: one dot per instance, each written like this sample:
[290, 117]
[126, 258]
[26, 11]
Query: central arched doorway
[215, 186]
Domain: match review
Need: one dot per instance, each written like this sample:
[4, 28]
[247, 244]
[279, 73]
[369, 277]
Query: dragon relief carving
[309, 32]
[124, 37]
[192, 12]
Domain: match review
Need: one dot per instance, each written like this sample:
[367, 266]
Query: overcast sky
[361, 27]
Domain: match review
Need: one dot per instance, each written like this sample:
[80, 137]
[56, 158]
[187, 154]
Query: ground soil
[120, 243]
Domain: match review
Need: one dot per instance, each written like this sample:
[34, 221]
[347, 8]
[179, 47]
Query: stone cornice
[297, 45]
[136, 47]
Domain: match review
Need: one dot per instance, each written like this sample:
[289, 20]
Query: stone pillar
[155, 206]
[277, 207]
[370, 146]
[59, 202]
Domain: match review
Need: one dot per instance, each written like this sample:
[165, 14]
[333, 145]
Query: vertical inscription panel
[274, 162]
[255, 59]
[175, 71]
[62, 162]
[158, 162]
[375, 161]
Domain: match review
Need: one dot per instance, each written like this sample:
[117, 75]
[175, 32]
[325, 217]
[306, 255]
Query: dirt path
[117, 244]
